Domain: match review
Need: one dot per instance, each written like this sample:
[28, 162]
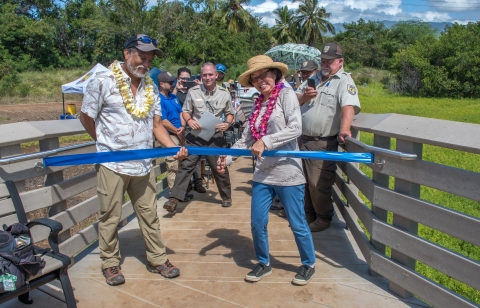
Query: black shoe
[303, 276]
[199, 188]
[258, 271]
[187, 198]
[227, 203]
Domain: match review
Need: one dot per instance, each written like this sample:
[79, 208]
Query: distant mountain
[439, 26]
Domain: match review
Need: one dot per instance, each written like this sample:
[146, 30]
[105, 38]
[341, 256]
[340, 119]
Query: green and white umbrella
[294, 55]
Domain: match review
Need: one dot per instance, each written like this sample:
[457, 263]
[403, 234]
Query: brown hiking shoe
[171, 204]
[113, 275]
[319, 225]
[167, 270]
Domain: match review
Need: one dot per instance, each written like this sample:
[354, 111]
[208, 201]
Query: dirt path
[33, 112]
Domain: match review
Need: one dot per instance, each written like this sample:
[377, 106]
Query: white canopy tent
[78, 86]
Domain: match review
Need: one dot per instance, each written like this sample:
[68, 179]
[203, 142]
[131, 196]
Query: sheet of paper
[207, 121]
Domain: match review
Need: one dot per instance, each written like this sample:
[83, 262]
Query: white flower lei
[126, 92]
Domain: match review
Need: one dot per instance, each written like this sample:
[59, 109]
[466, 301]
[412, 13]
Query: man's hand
[221, 164]
[193, 124]
[180, 86]
[222, 127]
[180, 130]
[197, 81]
[258, 148]
[310, 93]
[344, 132]
[182, 154]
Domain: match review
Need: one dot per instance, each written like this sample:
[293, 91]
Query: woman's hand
[182, 154]
[221, 164]
[258, 148]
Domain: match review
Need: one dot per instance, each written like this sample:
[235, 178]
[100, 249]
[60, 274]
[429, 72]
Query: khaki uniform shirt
[217, 102]
[322, 116]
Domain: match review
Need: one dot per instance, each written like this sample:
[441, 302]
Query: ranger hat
[144, 43]
[332, 51]
[165, 77]
[309, 66]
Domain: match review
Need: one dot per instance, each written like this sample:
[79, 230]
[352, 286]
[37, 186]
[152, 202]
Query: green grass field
[375, 99]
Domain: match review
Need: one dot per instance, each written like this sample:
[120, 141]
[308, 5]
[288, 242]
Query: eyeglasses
[261, 76]
[144, 39]
[171, 83]
[328, 62]
[184, 79]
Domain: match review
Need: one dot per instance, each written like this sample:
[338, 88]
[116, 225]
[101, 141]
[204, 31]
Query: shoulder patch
[351, 89]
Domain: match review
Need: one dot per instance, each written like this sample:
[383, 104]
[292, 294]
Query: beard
[325, 73]
[135, 70]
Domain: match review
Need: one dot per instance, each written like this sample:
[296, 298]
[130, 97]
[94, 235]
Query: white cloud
[455, 5]
[352, 10]
[265, 7]
[431, 16]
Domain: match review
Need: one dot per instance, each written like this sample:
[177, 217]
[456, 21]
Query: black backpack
[18, 261]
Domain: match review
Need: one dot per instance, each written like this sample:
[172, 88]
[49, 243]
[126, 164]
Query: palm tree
[285, 28]
[312, 20]
[235, 16]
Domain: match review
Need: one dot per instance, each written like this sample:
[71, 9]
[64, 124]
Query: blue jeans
[292, 200]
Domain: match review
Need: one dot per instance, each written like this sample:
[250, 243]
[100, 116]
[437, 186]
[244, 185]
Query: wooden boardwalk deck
[213, 248]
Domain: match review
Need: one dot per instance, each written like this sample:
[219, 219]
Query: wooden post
[381, 180]
[54, 178]
[411, 189]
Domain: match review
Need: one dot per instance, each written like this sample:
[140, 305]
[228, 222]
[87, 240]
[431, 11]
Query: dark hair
[278, 74]
[183, 69]
[276, 71]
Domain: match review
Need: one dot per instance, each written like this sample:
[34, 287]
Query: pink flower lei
[271, 102]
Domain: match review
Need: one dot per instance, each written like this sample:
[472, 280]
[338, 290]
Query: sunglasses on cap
[144, 39]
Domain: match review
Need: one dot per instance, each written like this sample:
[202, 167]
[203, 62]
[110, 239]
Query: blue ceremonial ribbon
[117, 156]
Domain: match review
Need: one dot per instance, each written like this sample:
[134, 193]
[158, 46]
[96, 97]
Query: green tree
[445, 67]
[235, 16]
[312, 20]
[285, 29]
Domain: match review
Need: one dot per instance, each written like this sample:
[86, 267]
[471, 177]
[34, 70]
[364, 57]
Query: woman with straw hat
[275, 123]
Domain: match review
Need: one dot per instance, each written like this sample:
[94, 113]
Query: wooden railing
[403, 201]
[408, 209]
[56, 190]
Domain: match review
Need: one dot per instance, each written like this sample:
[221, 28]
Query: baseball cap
[332, 51]
[309, 66]
[165, 77]
[221, 68]
[144, 43]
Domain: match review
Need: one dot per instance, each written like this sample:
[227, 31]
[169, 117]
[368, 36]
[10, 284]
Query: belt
[311, 138]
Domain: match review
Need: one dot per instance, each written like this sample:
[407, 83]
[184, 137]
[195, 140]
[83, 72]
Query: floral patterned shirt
[115, 128]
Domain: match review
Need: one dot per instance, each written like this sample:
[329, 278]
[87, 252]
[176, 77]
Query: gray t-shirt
[284, 127]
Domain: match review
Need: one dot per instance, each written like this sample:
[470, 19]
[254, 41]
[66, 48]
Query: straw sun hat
[259, 63]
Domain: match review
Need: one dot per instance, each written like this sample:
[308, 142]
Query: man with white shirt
[120, 110]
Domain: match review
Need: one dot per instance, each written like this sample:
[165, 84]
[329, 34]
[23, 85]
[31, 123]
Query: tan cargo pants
[172, 165]
[111, 187]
